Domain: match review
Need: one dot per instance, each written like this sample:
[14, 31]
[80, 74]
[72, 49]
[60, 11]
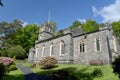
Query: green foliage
[12, 68]
[7, 31]
[14, 58]
[116, 66]
[116, 28]
[97, 72]
[60, 32]
[90, 26]
[27, 36]
[48, 62]
[17, 51]
[75, 24]
[2, 71]
[82, 72]
[14, 75]
[3, 52]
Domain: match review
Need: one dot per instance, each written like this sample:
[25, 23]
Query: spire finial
[49, 14]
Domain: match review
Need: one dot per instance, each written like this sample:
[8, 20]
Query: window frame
[62, 49]
[51, 49]
[43, 50]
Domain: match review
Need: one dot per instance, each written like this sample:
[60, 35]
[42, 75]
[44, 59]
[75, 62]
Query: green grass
[26, 64]
[14, 75]
[81, 71]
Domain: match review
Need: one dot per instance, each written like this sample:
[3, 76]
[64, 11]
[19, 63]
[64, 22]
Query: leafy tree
[75, 24]
[90, 26]
[7, 32]
[116, 28]
[60, 32]
[27, 36]
[17, 51]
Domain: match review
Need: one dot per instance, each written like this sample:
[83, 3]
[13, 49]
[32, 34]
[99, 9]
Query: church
[75, 46]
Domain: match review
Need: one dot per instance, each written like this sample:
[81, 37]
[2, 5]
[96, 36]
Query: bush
[96, 62]
[97, 73]
[48, 62]
[6, 61]
[16, 51]
[2, 71]
[33, 65]
[12, 68]
[116, 66]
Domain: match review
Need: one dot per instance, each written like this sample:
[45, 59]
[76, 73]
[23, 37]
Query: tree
[60, 32]
[17, 51]
[1, 3]
[27, 36]
[116, 28]
[75, 24]
[90, 26]
[7, 32]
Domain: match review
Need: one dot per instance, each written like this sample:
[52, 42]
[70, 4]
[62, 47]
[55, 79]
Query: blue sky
[63, 12]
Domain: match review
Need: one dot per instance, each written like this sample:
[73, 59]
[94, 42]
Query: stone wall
[67, 58]
[90, 47]
[31, 55]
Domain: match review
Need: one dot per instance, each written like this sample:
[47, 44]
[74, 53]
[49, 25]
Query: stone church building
[75, 46]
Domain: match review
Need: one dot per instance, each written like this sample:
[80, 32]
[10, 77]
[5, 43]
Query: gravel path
[29, 75]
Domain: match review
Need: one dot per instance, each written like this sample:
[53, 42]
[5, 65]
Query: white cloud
[109, 13]
[82, 20]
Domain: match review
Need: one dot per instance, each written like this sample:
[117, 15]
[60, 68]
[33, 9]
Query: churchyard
[75, 72]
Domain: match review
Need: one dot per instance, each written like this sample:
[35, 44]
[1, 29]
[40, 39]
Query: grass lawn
[14, 75]
[26, 64]
[82, 72]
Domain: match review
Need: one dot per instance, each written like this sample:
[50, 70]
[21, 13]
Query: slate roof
[77, 31]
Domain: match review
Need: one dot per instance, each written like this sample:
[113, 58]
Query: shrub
[6, 61]
[96, 62]
[33, 65]
[48, 62]
[97, 73]
[116, 66]
[2, 71]
[60, 75]
[16, 51]
[14, 58]
[12, 68]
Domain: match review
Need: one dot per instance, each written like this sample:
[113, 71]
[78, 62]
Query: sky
[63, 12]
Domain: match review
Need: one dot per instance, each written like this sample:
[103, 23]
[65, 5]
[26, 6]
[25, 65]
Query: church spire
[49, 15]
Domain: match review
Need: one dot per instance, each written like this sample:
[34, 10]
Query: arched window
[43, 50]
[36, 51]
[62, 47]
[82, 46]
[97, 44]
[114, 44]
[51, 49]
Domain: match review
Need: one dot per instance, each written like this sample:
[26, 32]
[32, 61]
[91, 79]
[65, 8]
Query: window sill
[62, 55]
